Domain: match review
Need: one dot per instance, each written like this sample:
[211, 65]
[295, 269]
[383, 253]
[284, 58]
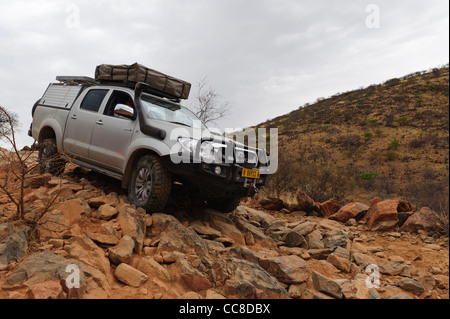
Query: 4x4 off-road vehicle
[137, 131]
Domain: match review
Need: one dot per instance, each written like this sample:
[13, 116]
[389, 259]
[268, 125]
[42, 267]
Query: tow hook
[254, 188]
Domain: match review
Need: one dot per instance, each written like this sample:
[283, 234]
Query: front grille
[242, 156]
[245, 157]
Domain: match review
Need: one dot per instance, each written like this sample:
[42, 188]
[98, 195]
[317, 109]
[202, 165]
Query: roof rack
[77, 79]
[132, 85]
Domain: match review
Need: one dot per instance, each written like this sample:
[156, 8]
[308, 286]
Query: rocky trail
[265, 249]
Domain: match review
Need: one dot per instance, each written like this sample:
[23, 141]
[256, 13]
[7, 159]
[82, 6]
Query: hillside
[387, 140]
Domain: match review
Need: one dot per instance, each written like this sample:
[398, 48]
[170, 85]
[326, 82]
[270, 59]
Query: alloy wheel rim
[143, 184]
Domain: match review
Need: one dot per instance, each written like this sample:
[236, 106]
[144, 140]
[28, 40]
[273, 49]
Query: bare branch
[208, 106]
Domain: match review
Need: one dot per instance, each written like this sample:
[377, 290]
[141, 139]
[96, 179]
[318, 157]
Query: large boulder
[133, 225]
[287, 269]
[272, 203]
[383, 215]
[304, 202]
[85, 250]
[411, 285]
[257, 235]
[351, 210]
[427, 220]
[326, 285]
[329, 208]
[46, 266]
[173, 236]
[357, 289]
[153, 269]
[105, 212]
[130, 275]
[260, 217]
[62, 219]
[123, 252]
[249, 281]
[189, 276]
[225, 225]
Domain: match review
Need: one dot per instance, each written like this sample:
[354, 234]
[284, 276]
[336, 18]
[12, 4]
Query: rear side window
[93, 100]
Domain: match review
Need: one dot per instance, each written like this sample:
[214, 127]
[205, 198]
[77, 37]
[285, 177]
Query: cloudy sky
[267, 57]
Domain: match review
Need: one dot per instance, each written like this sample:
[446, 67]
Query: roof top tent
[157, 83]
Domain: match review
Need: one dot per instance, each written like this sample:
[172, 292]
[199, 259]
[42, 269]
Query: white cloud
[266, 56]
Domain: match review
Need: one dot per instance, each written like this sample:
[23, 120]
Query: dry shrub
[321, 181]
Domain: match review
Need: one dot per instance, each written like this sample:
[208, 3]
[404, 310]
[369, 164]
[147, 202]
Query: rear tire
[50, 160]
[224, 205]
[150, 184]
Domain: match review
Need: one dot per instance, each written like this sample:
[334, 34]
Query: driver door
[112, 134]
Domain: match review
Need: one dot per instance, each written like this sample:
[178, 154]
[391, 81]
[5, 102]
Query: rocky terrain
[265, 249]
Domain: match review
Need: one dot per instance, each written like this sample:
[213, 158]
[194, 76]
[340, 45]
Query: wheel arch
[45, 133]
[132, 161]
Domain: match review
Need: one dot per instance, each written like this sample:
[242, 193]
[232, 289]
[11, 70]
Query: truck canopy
[61, 95]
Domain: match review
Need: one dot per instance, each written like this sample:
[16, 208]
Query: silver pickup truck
[148, 142]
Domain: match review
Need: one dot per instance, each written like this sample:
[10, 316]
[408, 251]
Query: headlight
[240, 157]
[188, 144]
[207, 150]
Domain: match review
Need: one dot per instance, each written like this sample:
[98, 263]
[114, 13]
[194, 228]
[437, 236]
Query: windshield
[169, 112]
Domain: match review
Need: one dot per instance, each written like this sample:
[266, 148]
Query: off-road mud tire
[150, 184]
[50, 161]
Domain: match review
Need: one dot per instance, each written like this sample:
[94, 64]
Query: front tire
[150, 184]
[50, 160]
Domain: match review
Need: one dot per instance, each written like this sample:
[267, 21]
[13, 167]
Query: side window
[118, 97]
[93, 100]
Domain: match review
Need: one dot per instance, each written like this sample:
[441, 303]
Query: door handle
[99, 122]
[127, 129]
[74, 117]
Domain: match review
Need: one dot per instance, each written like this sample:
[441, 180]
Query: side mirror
[124, 110]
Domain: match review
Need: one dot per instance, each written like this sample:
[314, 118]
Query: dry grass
[408, 122]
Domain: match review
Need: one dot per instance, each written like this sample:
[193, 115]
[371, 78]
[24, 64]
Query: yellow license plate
[250, 173]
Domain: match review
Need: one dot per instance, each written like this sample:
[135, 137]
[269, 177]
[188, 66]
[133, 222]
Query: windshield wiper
[181, 123]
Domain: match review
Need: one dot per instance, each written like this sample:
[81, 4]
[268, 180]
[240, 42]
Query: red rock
[61, 219]
[132, 224]
[287, 269]
[39, 181]
[427, 220]
[383, 215]
[46, 290]
[130, 276]
[272, 203]
[190, 276]
[329, 207]
[304, 202]
[375, 201]
[349, 211]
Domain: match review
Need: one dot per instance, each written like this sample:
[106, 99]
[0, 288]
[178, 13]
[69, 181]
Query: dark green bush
[369, 176]
[394, 145]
